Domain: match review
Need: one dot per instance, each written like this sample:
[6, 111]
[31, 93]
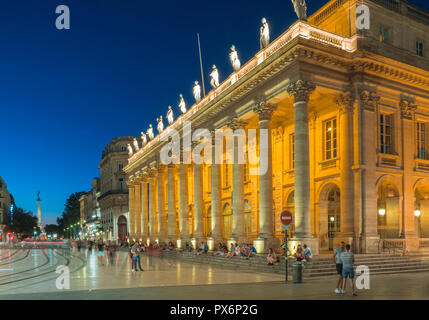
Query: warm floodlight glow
[381, 212]
[417, 213]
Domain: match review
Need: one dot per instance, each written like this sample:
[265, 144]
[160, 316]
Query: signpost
[286, 220]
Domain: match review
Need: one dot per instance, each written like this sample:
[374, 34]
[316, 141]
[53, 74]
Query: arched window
[227, 221]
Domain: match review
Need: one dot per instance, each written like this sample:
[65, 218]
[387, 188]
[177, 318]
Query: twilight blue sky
[65, 94]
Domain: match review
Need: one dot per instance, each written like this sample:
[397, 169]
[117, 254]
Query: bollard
[297, 272]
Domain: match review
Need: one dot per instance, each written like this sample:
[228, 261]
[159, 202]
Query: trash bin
[297, 272]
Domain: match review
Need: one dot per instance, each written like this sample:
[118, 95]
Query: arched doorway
[334, 215]
[329, 215]
[388, 220]
[421, 210]
[122, 228]
[227, 221]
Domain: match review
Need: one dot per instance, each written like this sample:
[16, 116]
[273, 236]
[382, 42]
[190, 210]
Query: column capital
[407, 108]
[346, 102]
[301, 90]
[236, 123]
[264, 109]
[152, 173]
[370, 99]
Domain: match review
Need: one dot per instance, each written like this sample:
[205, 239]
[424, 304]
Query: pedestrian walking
[348, 259]
[339, 266]
[100, 247]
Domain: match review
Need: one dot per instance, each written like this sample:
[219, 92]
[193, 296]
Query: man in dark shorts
[339, 266]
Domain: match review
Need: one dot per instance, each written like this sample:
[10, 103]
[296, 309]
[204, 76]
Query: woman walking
[100, 247]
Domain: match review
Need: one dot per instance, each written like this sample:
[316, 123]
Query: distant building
[113, 197]
[6, 201]
[90, 217]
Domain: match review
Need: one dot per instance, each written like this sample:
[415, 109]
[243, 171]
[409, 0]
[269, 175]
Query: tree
[23, 222]
[71, 214]
[51, 229]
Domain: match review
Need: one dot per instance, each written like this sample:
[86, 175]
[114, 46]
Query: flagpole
[201, 65]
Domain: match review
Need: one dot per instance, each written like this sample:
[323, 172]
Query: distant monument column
[39, 214]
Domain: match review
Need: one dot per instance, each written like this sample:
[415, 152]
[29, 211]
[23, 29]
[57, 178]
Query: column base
[311, 242]
[262, 244]
[212, 242]
[370, 244]
[196, 241]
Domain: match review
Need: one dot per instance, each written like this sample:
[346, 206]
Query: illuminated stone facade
[348, 115]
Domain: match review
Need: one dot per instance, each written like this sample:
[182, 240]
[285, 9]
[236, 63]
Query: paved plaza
[30, 274]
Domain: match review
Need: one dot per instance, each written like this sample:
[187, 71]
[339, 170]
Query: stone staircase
[321, 266]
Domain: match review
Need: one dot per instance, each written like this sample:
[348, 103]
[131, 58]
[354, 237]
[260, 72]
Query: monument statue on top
[300, 9]
[182, 104]
[170, 115]
[233, 57]
[214, 77]
[196, 90]
[39, 215]
[264, 34]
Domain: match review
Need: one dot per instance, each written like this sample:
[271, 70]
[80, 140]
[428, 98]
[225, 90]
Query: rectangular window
[386, 123]
[421, 141]
[419, 48]
[121, 185]
[209, 177]
[292, 150]
[226, 175]
[330, 136]
[120, 167]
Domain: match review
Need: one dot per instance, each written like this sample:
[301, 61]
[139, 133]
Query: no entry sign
[286, 218]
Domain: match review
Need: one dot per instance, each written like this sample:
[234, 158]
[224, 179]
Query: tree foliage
[23, 222]
[71, 214]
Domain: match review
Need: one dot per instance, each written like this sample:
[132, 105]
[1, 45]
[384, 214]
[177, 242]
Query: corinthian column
[131, 205]
[152, 226]
[266, 238]
[137, 211]
[198, 202]
[171, 203]
[238, 233]
[346, 103]
[162, 232]
[144, 206]
[301, 91]
[184, 219]
[216, 222]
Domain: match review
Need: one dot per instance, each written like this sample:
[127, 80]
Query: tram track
[16, 260]
[39, 274]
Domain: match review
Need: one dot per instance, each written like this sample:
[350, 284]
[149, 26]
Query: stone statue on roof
[300, 9]
[136, 145]
[264, 34]
[130, 150]
[182, 104]
[197, 91]
[144, 139]
[160, 124]
[214, 77]
[150, 132]
[233, 57]
[170, 115]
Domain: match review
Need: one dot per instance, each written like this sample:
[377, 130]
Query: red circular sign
[286, 218]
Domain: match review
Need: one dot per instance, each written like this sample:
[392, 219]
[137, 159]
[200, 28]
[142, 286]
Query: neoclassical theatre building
[347, 110]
